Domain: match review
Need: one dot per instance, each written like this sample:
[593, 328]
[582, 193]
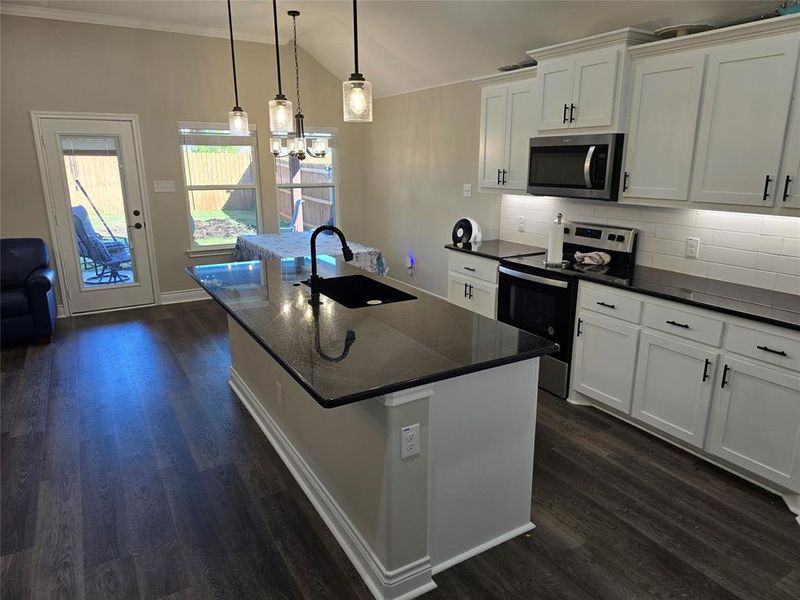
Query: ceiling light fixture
[237, 118]
[280, 109]
[357, 91]
[298, 147]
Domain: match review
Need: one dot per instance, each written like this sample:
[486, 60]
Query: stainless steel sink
[359, 291]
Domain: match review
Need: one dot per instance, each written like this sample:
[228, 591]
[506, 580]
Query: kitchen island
[410, 425]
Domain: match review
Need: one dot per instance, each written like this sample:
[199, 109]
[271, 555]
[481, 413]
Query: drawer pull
[724, 376]
[684, 325]
[469, 269]
[606, 305]
[768, 349]
[705, 369]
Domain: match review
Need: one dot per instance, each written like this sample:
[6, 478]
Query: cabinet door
[595, 88]
[674, 383]
[483, 297]
[554, 93]
[458, 291]
[755, 421]
[520, 129]
[494, 100]
[788, 188]
[743, 123]
[605, 359]
[663, 126]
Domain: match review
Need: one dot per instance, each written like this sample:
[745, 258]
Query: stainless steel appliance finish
[542, 299]
[577, 166]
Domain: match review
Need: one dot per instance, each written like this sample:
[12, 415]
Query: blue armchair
[27, 298]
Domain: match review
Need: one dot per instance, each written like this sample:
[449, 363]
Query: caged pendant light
[357, 91]
[280, 109]
[237, 118]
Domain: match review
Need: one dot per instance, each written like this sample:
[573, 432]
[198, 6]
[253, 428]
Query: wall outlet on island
[409, 441]
[692, 247]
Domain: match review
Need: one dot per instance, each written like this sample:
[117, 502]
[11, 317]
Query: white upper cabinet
[594, 88]
[507, 124]
[493, 134]
[663, 125]
[577, 91]
[746, 103]
[788, 187]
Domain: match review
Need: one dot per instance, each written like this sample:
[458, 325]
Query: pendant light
[280, 109]
[357, 91]
[298, 146]
[237, 118]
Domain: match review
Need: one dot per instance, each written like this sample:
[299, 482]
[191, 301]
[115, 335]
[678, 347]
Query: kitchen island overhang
[472, 391]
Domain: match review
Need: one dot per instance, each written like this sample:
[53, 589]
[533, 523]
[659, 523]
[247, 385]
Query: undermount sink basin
[358, 291]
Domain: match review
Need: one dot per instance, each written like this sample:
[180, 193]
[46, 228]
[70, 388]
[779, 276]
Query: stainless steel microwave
[576, 166]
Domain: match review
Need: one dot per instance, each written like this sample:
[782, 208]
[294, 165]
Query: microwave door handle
[534, 278]
[587, 167]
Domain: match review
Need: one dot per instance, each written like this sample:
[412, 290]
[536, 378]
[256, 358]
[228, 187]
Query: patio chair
[296, 215]
[106, 256]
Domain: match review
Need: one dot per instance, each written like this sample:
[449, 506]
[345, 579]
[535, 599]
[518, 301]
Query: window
[307, 188]
[220, 173]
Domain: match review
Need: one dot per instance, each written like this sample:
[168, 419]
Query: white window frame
[251, 140]
[334, 184]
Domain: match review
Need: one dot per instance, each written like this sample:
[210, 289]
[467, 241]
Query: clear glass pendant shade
[277, 145]
[319, 146]
[281, 119]
[237, 122]
[357, 97]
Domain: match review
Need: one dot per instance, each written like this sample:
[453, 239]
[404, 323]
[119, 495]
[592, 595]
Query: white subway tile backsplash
[761, 251]
[748, 241]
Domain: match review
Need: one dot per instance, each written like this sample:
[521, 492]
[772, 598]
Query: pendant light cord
[233, 58]
[277, 46]
[355, 34]
[296, 63]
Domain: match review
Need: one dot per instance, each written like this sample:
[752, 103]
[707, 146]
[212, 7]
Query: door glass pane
[304, 209]
[97, 200]
[220, 216]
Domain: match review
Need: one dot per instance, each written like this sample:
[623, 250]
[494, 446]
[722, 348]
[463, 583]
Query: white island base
[401, 521]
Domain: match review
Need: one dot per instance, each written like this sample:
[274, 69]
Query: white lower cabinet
[472, 294]
[756, 421]
[604, 359]
[674, 383]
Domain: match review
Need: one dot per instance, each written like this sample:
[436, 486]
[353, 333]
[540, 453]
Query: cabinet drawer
[684, 324]
[599, 299]
[469, 265]
[766, 347]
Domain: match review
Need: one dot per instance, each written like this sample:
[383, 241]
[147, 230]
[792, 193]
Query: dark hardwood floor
[130, 470]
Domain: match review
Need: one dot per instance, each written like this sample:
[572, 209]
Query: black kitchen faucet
[348, 256]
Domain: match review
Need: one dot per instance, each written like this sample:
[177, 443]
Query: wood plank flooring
[130, 470]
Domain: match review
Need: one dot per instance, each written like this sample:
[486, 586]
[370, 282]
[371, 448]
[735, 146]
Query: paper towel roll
[555, 242]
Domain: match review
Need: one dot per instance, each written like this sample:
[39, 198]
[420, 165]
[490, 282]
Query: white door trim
[37, 119]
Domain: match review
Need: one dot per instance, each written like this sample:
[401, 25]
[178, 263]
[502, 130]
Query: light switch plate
[467, 190]
[163, 185]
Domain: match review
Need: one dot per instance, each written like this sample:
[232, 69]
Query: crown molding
[503, 76]
[735, 33]
[74, 16]
[628, 36]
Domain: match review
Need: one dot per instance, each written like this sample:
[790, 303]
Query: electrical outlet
[692, 247]
[409, 441]
[521, 224]
[467, 190]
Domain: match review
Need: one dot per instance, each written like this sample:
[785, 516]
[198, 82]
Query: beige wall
[163, 78]
[421, 149]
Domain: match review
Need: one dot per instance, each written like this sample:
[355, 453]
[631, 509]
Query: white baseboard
[482, 548]
[60, 314]
[190, 295]
[793, 502]
[407, 582]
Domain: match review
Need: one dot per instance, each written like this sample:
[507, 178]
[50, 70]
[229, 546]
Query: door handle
[135, 226]
[465, 289]
[580, 322]
[766, 187]
[724, 376]
[606, 305]
[571, 111]
[768, 349]
[786, 187]
[587, 167]
[705, 369]
[566, 108]
[684, 325]
[470, 291]
[625, 181]
[498, 176]
[504, 177]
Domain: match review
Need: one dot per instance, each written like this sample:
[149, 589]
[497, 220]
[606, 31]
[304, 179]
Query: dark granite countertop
[395, 346]
[496, 249]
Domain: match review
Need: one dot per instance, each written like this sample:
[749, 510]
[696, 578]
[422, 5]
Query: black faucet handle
[348, 254]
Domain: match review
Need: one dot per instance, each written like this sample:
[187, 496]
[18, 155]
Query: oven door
[539, 304]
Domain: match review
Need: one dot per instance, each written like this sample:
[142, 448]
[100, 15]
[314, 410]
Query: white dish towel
[592, 258]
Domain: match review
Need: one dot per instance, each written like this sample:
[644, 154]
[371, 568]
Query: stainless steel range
[542, 299]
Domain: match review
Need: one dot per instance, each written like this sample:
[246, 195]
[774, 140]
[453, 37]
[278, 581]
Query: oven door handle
[587, 167]
[534, 278]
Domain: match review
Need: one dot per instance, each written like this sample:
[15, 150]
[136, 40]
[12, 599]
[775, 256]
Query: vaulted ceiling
[405, 44]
